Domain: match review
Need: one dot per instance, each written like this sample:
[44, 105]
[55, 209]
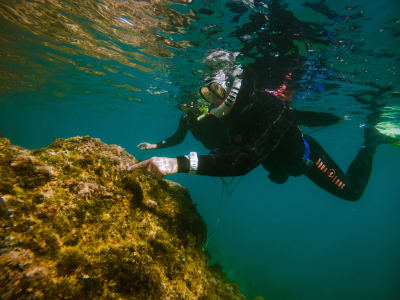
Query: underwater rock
[75, 224]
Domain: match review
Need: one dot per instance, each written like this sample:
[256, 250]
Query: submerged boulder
[75, 224]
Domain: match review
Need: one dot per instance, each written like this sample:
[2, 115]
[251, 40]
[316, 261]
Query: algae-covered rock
[75, 224]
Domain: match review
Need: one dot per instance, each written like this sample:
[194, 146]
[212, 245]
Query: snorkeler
[205, 125]
[262, 129]
[260, 125]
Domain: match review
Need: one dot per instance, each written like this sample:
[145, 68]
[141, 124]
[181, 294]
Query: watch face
[193, 160]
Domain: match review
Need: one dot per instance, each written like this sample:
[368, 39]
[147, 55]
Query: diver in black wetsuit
[262, 129]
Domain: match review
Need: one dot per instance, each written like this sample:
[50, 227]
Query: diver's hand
[146, 146]
[158, 166]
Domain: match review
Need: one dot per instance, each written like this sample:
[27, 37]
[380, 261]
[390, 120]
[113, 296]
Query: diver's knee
[279, 178]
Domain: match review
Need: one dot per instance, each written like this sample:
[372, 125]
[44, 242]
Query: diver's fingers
[151, 166]
[142, 145]
[158, 166]
[140, 165]
[146, 146]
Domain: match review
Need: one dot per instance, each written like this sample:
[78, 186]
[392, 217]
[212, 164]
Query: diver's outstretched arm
[216, 165]
[315, 119]
[231, 163]
[175, 139]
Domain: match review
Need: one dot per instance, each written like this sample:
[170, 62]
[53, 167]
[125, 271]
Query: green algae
[76, 225]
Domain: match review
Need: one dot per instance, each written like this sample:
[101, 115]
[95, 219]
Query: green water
[117, 70]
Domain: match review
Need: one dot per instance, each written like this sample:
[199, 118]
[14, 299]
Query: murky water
[117, 70]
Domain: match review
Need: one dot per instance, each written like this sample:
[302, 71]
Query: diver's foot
[382, 133]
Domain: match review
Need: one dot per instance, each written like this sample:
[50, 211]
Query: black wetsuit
[263, 130]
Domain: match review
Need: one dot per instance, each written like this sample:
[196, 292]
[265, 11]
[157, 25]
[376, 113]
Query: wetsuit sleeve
[178, 136]
[315, 119]
[222, 164]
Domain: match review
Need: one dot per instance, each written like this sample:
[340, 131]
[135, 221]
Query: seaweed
[75, 224]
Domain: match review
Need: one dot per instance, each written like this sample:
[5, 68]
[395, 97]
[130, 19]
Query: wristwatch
[193, 162]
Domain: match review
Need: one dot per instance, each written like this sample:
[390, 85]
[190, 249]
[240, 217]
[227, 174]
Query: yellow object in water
[391, 130]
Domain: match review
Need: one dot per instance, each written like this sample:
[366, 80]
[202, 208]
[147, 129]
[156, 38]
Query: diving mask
[213, 89]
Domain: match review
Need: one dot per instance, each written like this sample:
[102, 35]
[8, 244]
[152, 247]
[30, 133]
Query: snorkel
[229, 101]
[216, 91]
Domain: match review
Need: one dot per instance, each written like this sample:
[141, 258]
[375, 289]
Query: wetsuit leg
[326, 174]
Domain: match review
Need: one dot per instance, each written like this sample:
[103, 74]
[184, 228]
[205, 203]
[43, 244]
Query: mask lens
[218, 90]
[205, 93]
